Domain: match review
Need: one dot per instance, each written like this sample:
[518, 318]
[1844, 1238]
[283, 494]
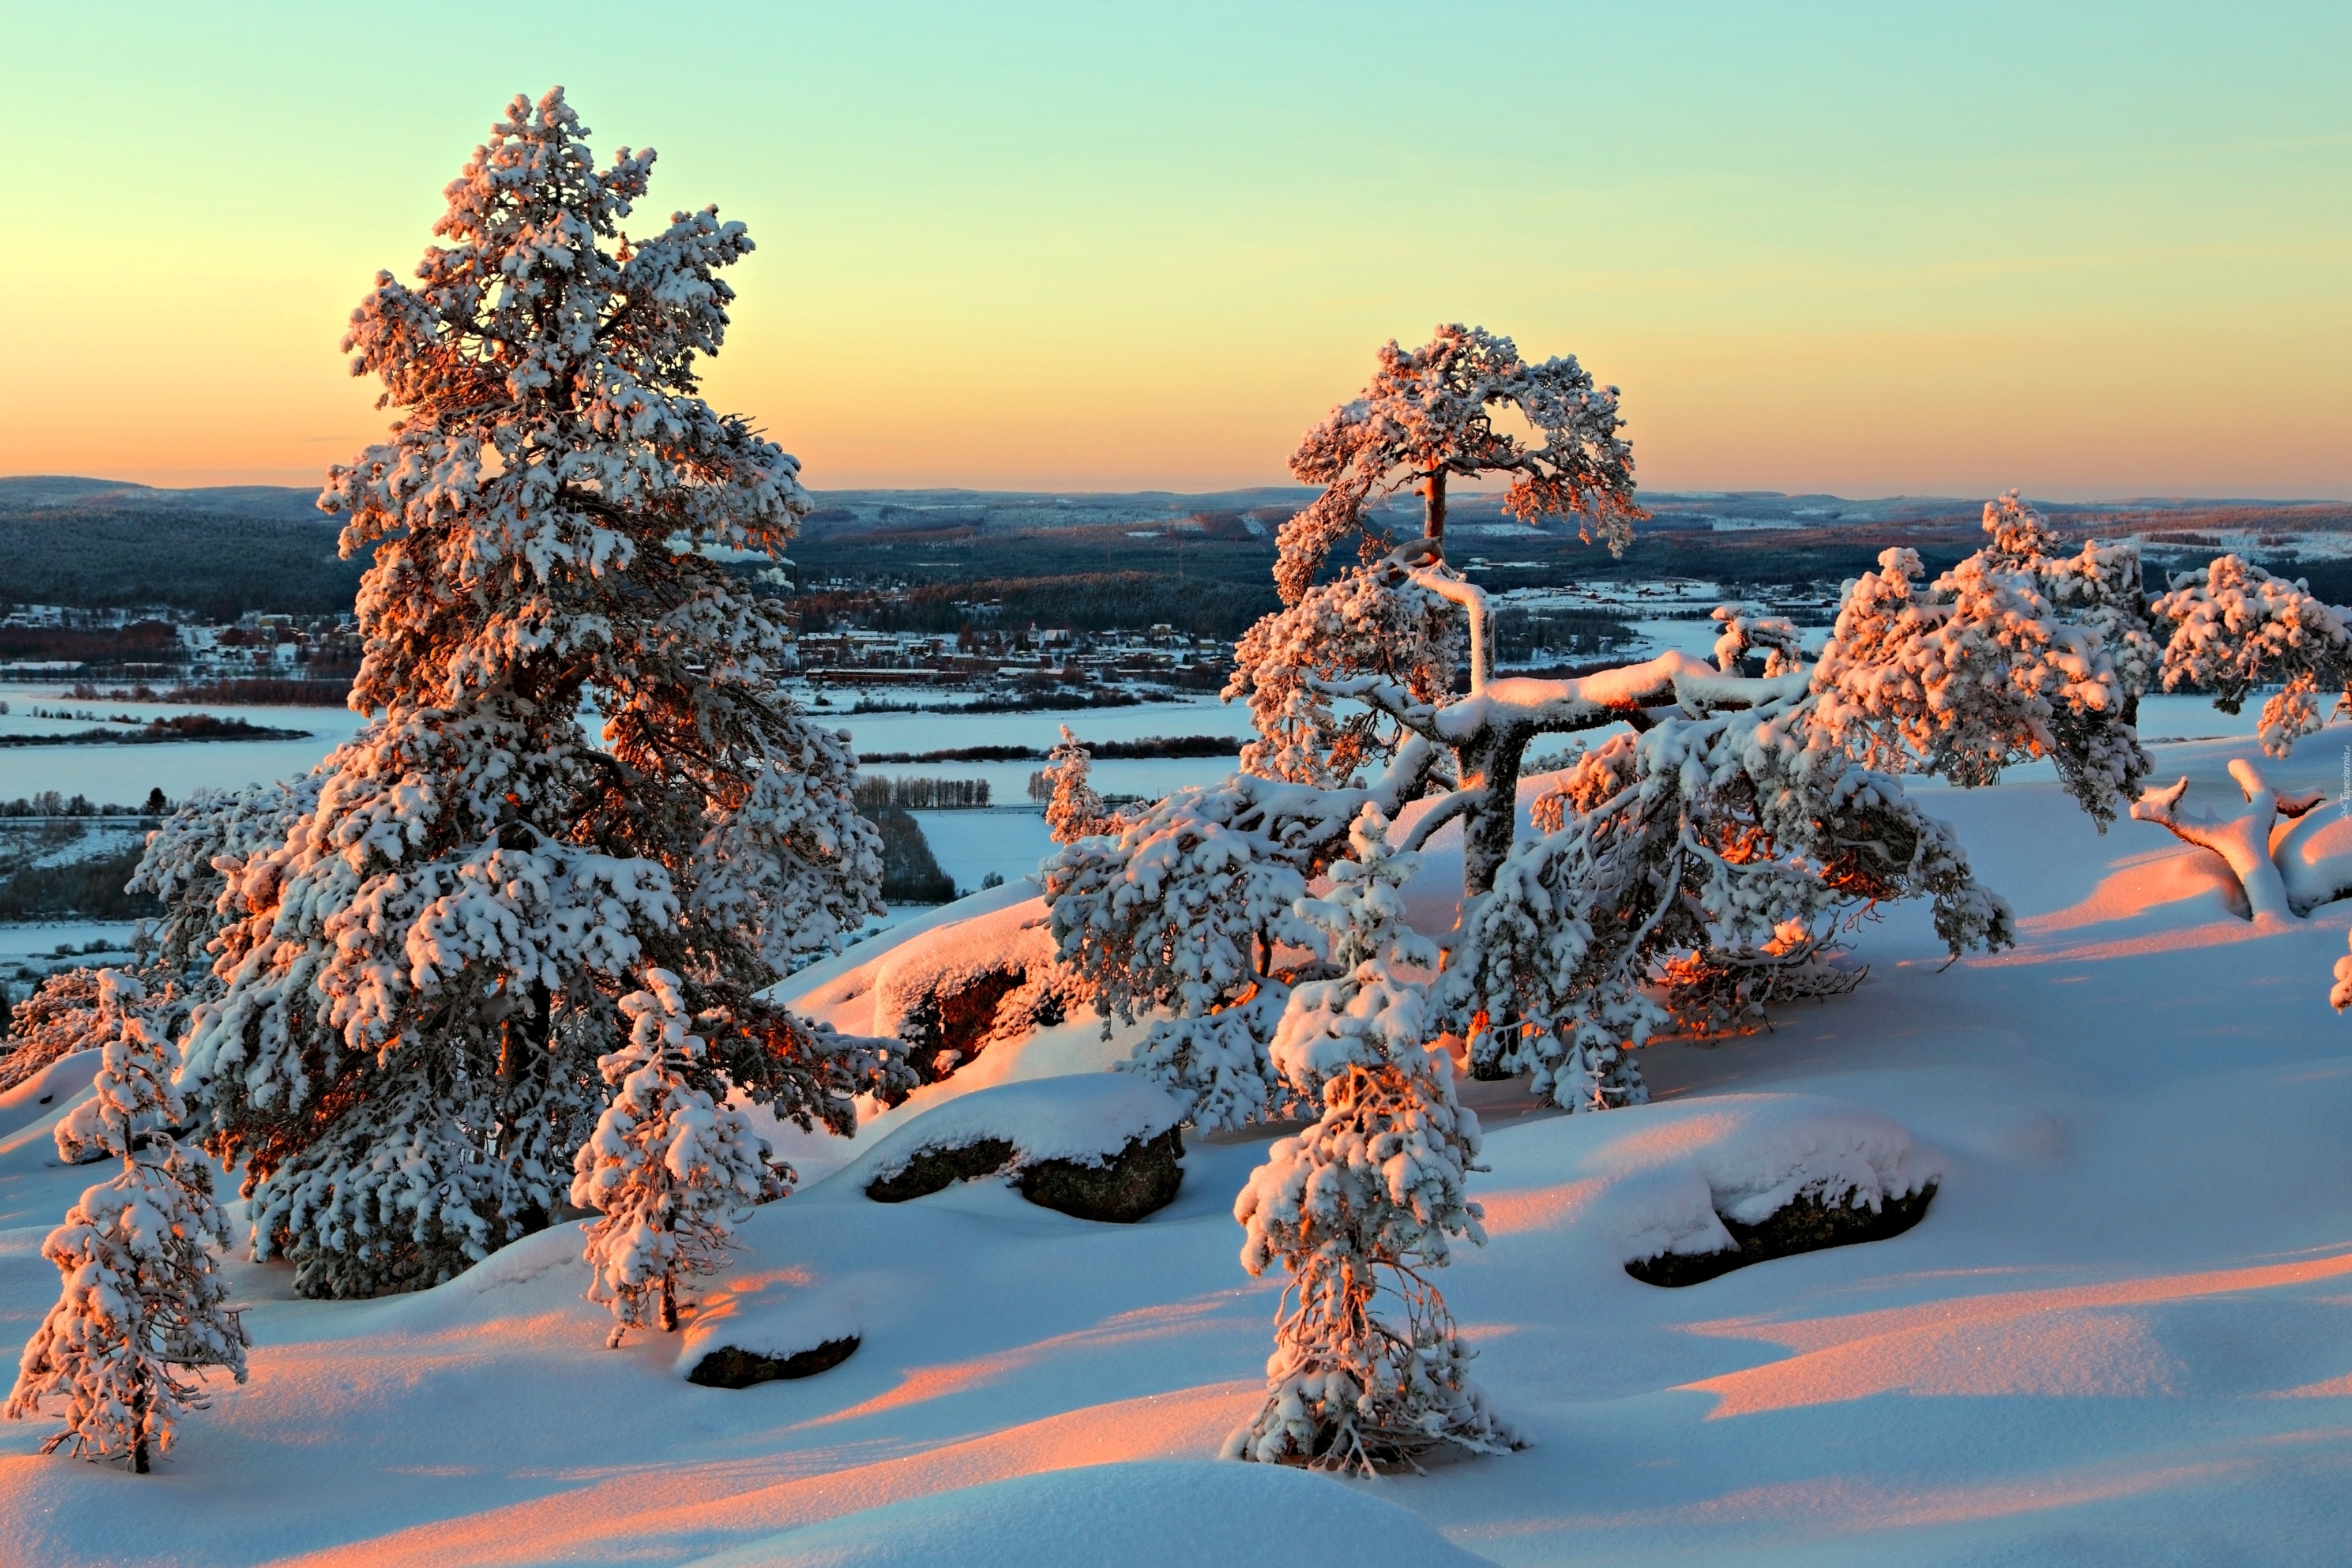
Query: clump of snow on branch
[1366, 1367]
[668, 1166]
[140, 1306]
[1782, 643]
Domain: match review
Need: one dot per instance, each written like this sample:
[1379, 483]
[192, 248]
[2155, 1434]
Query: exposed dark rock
[1142, 1179]
[936, 1170]
[728, 1367]
[1805, 1223]
[947, 1028]
[954, 1025]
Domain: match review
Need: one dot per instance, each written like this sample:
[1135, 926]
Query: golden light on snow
[2097, 1341]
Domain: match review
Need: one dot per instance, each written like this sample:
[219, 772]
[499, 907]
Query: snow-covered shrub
[1183, 910]
[1073, 809]
[430, 967]
[1367, 1368]
[670, 1164]
[1687, 876]
[141, 1305]
[58, 1019]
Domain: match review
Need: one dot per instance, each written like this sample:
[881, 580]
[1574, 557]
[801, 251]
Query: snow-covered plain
[2123, 1333]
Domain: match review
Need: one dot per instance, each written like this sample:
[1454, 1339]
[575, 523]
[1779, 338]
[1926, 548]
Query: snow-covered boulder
[1150, 1514]
[45, 1090]
[952, 990]
[1101, 1146]
[1752, 1176]
[769, 1326]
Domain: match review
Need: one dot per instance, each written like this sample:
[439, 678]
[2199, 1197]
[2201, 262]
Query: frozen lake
[125, 774]
[1007, 839]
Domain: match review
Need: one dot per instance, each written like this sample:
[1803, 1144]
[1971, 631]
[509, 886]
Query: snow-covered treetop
[132, 1093]
[551, 432]
[2021, 535]
[1429, 412]
[1074, 811]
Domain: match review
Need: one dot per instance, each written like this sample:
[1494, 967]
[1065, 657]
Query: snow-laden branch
[1539, 707]
[2242, 839]
[1446, 585]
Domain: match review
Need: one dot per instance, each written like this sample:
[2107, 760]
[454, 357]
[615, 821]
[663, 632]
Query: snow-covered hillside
[2123, 1332]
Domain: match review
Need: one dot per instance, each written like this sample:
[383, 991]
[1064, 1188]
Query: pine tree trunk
[1489, 762]
[139, 1448]
[1432, 521]
[669, 1304]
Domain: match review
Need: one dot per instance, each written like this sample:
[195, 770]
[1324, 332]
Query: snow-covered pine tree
[1073, 809]
[1367, 1368]
[668, 1166]
[430, 967]
[58, 1019]
[141, 1305]
[1691, 873]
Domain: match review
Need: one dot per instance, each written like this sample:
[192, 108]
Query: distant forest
[216, 564]
[936, 568]
[219, 553]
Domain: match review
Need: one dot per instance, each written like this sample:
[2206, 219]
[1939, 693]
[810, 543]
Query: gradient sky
[2093, 250]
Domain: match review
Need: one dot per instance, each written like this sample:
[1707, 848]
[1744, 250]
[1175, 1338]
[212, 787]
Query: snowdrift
[1136, 1516]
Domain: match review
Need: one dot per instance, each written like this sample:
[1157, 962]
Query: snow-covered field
[2122, 1334]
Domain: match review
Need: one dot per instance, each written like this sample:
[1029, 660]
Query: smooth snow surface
[2122, 1334]
[1156, 1515]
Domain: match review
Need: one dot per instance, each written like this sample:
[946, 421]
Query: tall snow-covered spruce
[430, 967]
[141, 1305]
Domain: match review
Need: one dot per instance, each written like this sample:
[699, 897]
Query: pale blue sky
[2092, 250]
